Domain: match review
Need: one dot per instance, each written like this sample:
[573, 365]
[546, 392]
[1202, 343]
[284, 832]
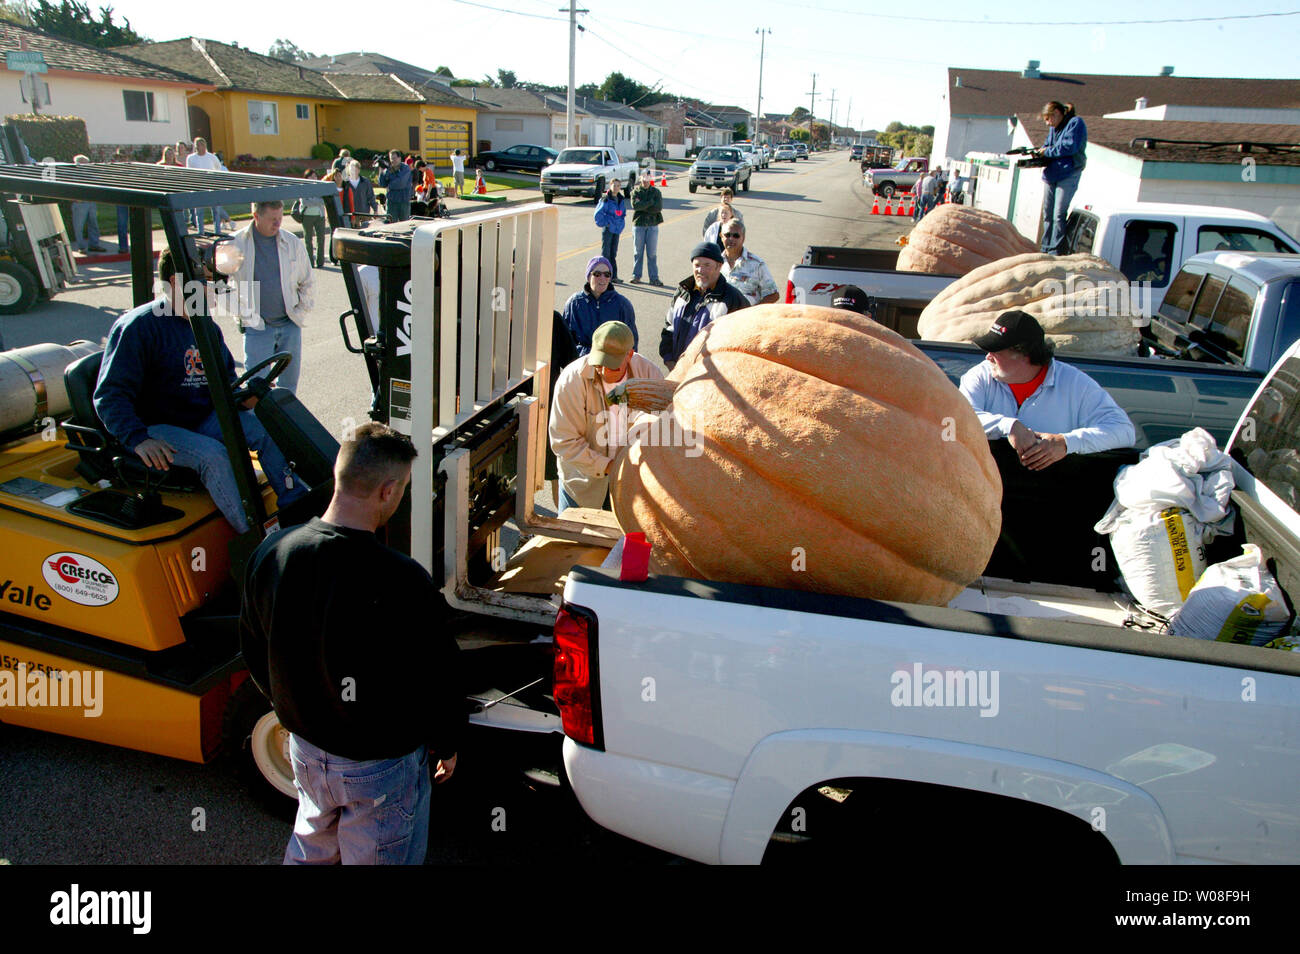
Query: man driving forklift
[152, 395]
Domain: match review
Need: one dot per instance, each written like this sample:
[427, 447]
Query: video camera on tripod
[1033, 161]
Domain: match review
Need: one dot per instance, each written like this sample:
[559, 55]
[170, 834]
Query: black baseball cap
[853, 298]
[1010, 329]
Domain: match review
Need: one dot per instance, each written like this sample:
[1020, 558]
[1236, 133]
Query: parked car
[855, 152]
[801, 150]
[527, 158]
[586, 171]
[785, 153]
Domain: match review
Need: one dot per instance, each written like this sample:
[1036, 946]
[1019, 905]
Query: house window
[263, 119]
[510, 125]
[302, 111]
[144, 107]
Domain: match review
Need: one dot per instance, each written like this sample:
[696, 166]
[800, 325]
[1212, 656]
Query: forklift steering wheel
[280, 360]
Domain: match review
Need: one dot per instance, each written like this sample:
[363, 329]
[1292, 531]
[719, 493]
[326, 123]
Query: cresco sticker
[80, 578]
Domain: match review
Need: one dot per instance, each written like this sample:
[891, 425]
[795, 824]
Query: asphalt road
[66, 801]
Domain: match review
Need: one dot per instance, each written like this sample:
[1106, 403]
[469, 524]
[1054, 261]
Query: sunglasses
[600, 274]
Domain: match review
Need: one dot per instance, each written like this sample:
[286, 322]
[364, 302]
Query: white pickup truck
[586, 171]
[1149, 241]
[740, 724]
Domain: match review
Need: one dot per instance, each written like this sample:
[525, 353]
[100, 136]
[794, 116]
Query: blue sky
[881, 66]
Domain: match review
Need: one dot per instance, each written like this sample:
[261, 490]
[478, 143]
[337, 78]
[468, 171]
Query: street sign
[28, 61]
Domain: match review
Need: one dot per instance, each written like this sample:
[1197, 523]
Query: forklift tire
[18, 288]
[257, 749]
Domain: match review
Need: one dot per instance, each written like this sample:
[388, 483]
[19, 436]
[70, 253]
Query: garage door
[442, 137]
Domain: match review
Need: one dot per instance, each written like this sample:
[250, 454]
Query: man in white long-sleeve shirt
[1044, 408]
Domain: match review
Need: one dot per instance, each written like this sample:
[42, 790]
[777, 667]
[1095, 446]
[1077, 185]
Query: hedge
[57, 137]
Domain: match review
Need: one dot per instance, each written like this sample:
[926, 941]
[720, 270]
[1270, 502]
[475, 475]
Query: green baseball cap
[610, 344]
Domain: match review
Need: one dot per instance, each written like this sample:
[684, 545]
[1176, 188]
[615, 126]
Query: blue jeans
[196, 217]
[609, 249]
[260, 345]
[204, 451]
[374, 812]
[123, 228]
[565, 501]
[399, 208]
[647, 243]
[1056, 206]
[84, 219]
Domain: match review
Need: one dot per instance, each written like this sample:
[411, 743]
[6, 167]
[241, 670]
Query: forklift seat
[102, 456]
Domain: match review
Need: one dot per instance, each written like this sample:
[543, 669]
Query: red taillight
[789, 292]
[573, 690]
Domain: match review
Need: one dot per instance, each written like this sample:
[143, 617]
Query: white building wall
[1212, 114]
[533, 131]
[100, 104]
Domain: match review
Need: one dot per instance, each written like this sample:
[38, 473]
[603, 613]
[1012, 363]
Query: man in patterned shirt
[743, 269]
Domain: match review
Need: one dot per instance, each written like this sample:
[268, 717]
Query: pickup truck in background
[900, 178]
[740, 724]
[1227, 318]
[718, 166]
[1149, 241]
[586, 171]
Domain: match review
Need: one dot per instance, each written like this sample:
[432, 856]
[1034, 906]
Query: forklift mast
[463, 345]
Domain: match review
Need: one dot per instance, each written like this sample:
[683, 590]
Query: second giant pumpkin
[817, 450]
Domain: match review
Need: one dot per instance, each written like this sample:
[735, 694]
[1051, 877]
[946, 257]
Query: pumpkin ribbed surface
[956, 239]
[834, 457]
[1080, 300]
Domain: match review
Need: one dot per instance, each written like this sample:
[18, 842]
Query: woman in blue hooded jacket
[1067, 137]
[611, 216]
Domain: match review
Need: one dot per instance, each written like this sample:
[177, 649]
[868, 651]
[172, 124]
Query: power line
[518, 13]
[1055, 23]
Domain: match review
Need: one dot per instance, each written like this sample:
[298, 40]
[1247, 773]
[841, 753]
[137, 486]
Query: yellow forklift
[109, 568]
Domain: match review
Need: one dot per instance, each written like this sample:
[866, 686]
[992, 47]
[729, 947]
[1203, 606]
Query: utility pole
[831, 136]
[762, 45]
[849, 120]
[573, 54]
[812, 109]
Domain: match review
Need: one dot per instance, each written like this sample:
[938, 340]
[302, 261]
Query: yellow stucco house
[263, 107]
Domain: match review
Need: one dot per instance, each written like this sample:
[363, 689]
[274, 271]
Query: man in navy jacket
[152, 395]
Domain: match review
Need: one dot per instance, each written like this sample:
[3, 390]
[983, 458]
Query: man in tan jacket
[587, 432]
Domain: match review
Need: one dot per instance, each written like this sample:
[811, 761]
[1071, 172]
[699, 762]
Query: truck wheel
[18, 288]
[690, 186]
[600, 190]
[548, 197]
[257, 749]
[887, 190]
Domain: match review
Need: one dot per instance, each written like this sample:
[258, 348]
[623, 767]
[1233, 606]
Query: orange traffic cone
[911, 205]
[875, 205]
[480, 187]
[663, 183]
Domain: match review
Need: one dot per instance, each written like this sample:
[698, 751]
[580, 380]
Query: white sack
[1161, 553]
[1237, 601]
[1191, 473]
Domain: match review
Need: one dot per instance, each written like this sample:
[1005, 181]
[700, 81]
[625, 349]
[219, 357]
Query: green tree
[73, 21]
[444, 71]
[586, 89]
[14, 12]
[507, 79]
[927, 130]
[618, 88]
[799, 135]
[821, 133]
[741, 130]
[894, 127]
[798, 115]
[289, 51]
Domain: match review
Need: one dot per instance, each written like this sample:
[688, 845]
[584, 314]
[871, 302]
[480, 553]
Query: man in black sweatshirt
[331, 631]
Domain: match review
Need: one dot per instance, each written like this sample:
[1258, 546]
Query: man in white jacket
[272, 291]
[586, 430]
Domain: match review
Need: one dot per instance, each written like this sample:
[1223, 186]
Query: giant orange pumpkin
[956, 239]
[833, 456]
